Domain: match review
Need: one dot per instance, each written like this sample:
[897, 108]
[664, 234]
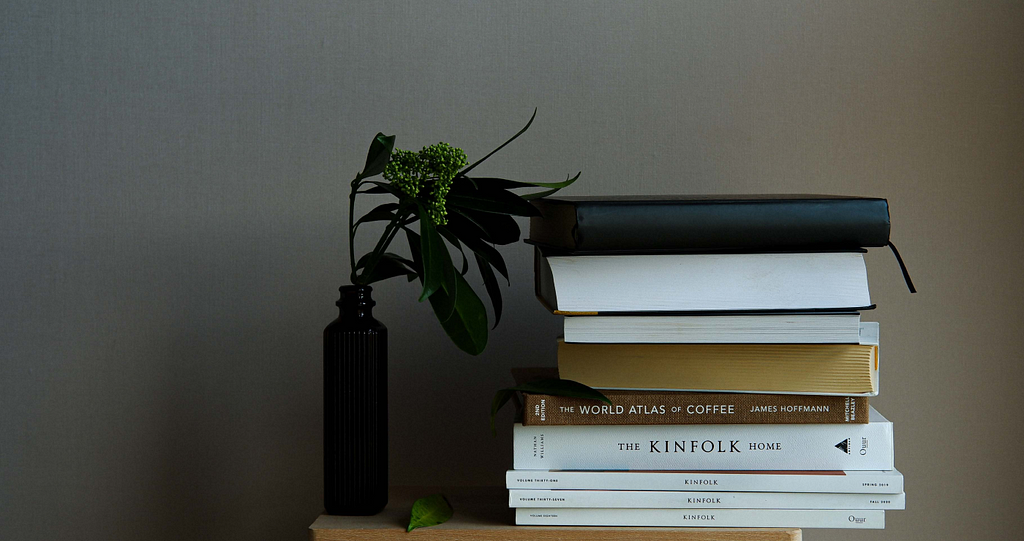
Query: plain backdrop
[173, 178]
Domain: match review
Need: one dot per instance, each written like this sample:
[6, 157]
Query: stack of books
[727, 333]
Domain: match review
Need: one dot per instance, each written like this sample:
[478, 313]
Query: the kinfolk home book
[689, 447]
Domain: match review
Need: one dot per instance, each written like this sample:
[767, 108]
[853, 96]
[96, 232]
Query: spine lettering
[660, 408]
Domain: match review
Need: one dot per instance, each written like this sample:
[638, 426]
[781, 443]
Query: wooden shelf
[482, 513]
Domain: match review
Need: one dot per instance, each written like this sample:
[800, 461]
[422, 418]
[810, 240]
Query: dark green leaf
[494, 201]
[389, 266]
[414, 246]
[538, 195]
[385, 187]
[444, 306]
[433, 252]
[378, 155]
[387, 255]
[505, 184]
[496, 228]
[562, 387]
[491, 283]
[429, 511]
[414, 249]
[467, 324]
[470, 235]
[370, 263]
[556, 387]
[465, 228]
[494, 258]
[478, 162]
[500, 399]
[381, 213]
[454, 241]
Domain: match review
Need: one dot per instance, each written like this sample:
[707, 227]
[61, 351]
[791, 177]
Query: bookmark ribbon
[903, 267]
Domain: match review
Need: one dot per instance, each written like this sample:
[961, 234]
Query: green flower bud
[427, 176]
[404, 171]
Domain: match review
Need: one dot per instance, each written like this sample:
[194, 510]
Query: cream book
[823, 369]
[794, 282]
[722, 518]
[677, 499]
[881, 483]
[807, 328]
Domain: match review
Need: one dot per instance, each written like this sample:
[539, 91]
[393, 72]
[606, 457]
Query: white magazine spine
[723, 518]
[860, 482]
[706, 447]
[628, 499]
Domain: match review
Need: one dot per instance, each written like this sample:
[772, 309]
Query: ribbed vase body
[355, 408]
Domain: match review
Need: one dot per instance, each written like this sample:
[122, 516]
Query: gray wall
[172, 187]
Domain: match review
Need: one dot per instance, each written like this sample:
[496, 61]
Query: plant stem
[382, 245]
[351, 228]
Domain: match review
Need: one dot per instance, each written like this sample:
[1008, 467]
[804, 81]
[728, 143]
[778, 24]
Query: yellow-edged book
[826, 369]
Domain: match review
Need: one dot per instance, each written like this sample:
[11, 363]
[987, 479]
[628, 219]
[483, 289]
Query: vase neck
[355, 302]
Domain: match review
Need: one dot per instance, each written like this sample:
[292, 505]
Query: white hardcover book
[714, 329]
[859, 482]
[722, 518]
[706, 447]
[660, 499]
[704, 282]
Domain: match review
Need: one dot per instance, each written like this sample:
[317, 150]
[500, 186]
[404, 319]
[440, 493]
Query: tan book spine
[671, 408]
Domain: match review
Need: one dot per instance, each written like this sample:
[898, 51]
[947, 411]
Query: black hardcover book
[709, 223]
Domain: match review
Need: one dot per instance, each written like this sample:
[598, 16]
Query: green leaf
[454, 241]
[470, 235]
[555, 387]
[500, 399]
[414, 249]
[385, 187]
[433, 252]
[444, 307]
[380, 213]
[388, 266]
[493, 257]
[473, 237]
[562, 387]
[378, 155]
[464, 227]
[491, 283]
[387, 255]
[506, 184]
[538, 195]
[496, 228]
[513, 138]
[467, 324]
[370, 263]
[429, 511]
[494, 201]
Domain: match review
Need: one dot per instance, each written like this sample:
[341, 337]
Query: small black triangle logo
[844, 446]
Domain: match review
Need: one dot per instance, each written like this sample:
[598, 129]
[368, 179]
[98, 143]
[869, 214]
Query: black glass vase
[355, 408]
